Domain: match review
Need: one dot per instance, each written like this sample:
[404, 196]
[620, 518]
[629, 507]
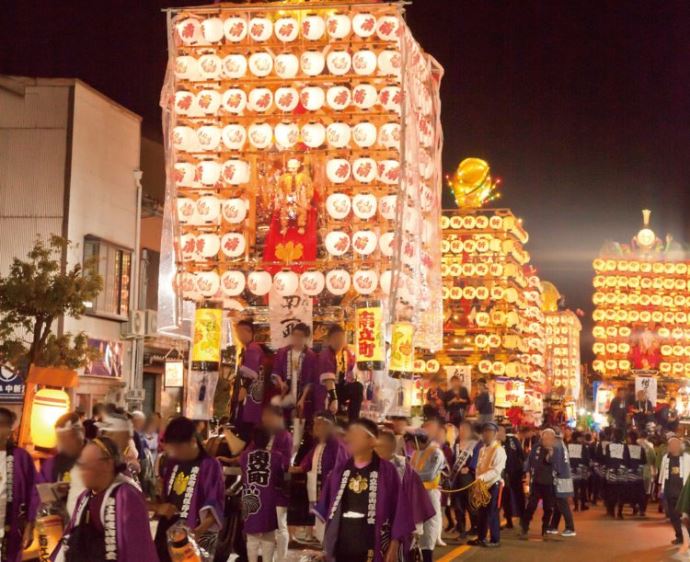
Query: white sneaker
[551, 531]
[440, 542]
[568, 533]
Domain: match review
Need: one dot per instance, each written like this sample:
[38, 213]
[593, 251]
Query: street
[598, 538]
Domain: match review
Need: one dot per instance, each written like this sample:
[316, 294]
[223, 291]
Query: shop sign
[174, 374]
[11, 387]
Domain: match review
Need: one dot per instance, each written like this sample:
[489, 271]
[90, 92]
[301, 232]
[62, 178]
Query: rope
[480, 496]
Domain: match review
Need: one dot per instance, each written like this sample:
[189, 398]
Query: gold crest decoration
[472, 184]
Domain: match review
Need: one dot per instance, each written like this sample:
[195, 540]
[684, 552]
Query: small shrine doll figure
[293, 197]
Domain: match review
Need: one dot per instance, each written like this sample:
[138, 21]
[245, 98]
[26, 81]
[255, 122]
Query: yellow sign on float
[208, 327]
[402, 350]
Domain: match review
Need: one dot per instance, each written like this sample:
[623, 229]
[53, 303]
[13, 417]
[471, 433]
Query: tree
[36, 293]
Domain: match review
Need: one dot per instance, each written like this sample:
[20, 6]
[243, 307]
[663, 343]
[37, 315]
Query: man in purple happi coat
[250, 369]
[294, 370]
[111, 520]
[367, 516]
[193, 488]
[336, 388]
[18, 496]
[61, 468]
[412, 486]
[262, 477]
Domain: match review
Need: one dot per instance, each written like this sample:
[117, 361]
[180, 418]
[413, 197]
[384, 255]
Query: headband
[102, 447]
[364, 428]
[69, 426]
[112, 423]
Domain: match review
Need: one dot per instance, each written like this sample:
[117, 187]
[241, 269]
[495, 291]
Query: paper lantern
[48, 405]
[286, 283]
[402, 348]
[259, 283]
[312, 283]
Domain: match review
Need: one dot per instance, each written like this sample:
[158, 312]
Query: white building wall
[33, 141]
[102, 197]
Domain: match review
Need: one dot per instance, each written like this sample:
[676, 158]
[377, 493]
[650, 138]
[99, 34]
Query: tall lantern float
[301, 139]
[49, 404]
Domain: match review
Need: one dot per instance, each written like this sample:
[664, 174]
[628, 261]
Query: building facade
[70, 158]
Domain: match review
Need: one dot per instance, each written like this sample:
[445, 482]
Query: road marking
[454, 554]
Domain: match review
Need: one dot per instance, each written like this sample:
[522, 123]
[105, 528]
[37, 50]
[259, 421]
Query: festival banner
[648, 383]
[285, 312]
[463, 372]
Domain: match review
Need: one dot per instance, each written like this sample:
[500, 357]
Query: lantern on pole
[48, 405]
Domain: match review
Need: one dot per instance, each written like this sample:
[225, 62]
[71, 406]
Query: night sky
[581, 107]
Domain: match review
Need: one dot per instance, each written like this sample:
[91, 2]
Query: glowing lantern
[49, 404]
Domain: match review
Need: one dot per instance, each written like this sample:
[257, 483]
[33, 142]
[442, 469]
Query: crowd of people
[302, 467]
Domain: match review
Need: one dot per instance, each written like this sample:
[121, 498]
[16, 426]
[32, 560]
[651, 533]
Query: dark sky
[582, 107]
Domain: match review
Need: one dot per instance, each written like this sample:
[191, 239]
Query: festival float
[493, 323]
[641, 309]
[303, 174]
[562, 352]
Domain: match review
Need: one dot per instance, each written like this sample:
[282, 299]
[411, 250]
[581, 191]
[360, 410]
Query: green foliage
[37, 292]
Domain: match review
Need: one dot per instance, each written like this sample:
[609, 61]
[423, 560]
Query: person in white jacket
[491, 463]
[673, 473]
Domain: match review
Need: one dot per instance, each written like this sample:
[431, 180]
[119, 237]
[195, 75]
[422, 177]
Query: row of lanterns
[602, 265]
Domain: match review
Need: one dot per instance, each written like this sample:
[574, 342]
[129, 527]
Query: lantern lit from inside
[49, 404]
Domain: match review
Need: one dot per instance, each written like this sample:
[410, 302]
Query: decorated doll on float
[293, 197]
[111, 520]
[366, 515]
[193, 488]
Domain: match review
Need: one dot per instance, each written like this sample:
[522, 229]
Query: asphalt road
[598, 539]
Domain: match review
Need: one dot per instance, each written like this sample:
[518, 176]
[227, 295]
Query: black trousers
[673, 515]
[614, 496]
[562, 508]
[580, 493]
[350, 398]
[514, 497]
[547, 494]
[462, 511]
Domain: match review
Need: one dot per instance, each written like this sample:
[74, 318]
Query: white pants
[432, 527]
[282, 534]
[264, 541]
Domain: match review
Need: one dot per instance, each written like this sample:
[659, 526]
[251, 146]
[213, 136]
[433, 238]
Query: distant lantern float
[472, 184]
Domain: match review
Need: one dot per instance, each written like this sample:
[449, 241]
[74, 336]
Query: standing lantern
[48, 405]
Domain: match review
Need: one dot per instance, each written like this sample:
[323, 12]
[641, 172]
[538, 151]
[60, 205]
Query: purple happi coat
[127, 531]
[262, 476]
[334, 454]
[306, 377]
[392, 518]
[23, 500]
[251, 369]
[205, 490]
[327, 369]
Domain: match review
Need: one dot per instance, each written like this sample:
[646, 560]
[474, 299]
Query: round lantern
[232, 283]
[286, 283]
[338, 282]
[259, 283]
[48, 405]
[312, 283]
[365, 281]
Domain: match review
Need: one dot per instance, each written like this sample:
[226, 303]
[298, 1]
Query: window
[114, 264]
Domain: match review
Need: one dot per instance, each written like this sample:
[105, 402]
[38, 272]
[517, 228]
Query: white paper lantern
[232, 283]
[338, 282]
[312, 283]
[365, 281]
[286, 283]
[259, 283]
